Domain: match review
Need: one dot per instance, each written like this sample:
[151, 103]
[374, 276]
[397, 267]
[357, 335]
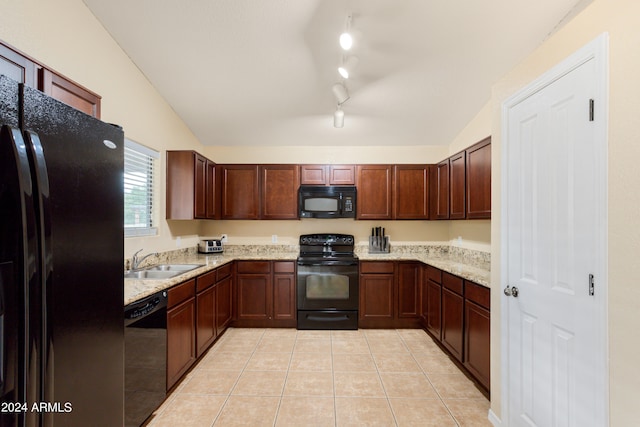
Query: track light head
[340, 93]
[348, 65]
[338, 118]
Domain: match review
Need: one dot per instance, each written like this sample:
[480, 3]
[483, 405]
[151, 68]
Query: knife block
[379, 245]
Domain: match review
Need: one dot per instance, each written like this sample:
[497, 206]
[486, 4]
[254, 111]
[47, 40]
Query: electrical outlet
[274, 238]
[178, 241]
[224, 238]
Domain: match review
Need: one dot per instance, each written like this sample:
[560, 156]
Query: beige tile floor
[285, 377]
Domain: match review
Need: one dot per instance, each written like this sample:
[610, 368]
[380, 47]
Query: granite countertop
[136, 289]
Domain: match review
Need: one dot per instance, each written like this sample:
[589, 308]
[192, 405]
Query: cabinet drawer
[376, 267]
[452, 282]
[478, 294]
[224, 271]
[284, 267]
[181, 292]
[254, 267]
[205, 281]
[434, 274]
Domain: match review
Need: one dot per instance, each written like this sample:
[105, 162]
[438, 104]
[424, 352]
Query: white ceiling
[259, 72]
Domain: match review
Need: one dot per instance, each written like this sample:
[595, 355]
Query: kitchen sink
[174, 267]
[162, 271]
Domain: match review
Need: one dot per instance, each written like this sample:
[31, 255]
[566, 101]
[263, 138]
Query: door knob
[511, 291]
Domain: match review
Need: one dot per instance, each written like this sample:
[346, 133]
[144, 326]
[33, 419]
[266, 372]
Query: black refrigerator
[61, 264]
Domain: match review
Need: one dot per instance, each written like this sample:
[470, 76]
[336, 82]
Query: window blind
[139, 173]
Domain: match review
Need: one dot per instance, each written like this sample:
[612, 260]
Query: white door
[555, 248]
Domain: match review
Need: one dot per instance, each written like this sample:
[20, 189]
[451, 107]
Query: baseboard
[493, 418]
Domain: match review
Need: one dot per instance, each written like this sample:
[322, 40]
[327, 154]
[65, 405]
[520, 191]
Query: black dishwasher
[145, 357]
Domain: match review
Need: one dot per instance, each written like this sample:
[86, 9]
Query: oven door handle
[340, 318]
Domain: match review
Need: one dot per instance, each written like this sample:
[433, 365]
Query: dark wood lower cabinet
[265, 294]
[224, 303]
[206, 331]
[389, 294]
[284, 287]
[477, 327]
[181, 331]
[452, 322]
[376, 299]
[456, 313]
[432, 301]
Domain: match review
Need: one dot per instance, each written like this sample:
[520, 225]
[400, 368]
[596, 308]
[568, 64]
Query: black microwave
[327, 202]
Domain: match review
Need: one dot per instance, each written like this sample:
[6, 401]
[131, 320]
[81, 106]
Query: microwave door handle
[340, 204]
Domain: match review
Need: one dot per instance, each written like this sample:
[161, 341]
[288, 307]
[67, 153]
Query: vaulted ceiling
[260, 72]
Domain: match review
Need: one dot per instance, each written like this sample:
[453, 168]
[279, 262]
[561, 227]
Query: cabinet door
[254, 296]
[477, 342]
[284, 296]
[375, 191]
[411, 192]
[441, 198]
[240, 192]
[376, 297]
[279, 191]
[205, 319]
[452, 322]
[18, 67]
[200, 190]
[409, 279]
[313, 174]
[479, 180]
[181, 340]
[190, 186]
[457, 191]
[69, 92]
[433, 308]
[342, 175]
[211, 211]
[223, 304]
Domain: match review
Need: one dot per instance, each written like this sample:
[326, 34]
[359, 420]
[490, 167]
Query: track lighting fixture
[346, 40]
[349, 62]
[338, 118]
[348, 65]
[340, 93]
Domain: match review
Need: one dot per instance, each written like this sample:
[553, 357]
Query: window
[139, 171]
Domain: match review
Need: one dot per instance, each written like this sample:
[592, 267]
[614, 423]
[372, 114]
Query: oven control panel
[326, 239]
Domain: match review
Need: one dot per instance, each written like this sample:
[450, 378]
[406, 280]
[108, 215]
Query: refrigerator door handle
[45, 262]
[18, 192]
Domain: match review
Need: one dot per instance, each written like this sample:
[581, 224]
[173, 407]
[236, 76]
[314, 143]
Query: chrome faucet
[135, 261]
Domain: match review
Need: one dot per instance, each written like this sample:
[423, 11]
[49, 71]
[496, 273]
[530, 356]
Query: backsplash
[468, 256]
[163, 257]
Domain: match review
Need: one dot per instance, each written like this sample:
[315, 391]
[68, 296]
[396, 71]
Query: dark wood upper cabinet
[327, 175]
[18, 67]
[457, 190]
[240, 192]
[200, 196]
[375, 191]
[279, 191]
[342, 175]
[65, 90]
[24, 69]
[191, 189]
[440, 198]
[313, 175]
[478, 158]
[411, 192]
[212, 193]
